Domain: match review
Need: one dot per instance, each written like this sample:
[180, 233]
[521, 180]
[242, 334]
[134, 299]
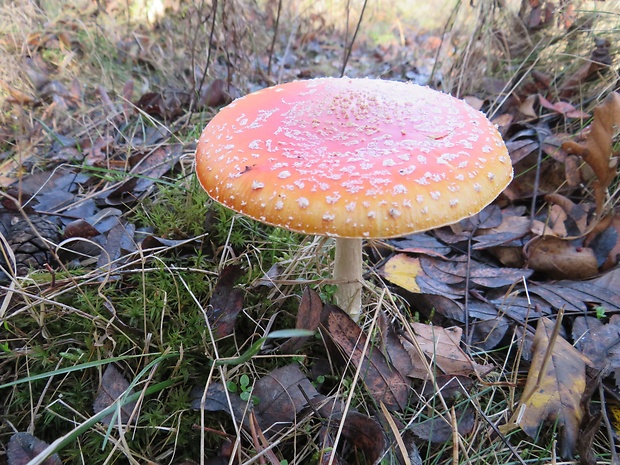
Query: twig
[610, 430]
[536, 179]
[196, 90]
[275, 35]
[502, 437]
[348, 50]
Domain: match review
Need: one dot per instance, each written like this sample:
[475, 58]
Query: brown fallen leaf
[16, 95]
[308, 317]
[599, 342]
[567, 218]
[393, 347]
[80, 228]
[540, 16]
[218, 399]
[489, 217]
[507, 240]
[165, 105]
[214, 95]
[555, 385]
[552, 176]
[487, 334]
[382, 380]
[226, 302]
[438, 428]
[457, 271]
[596, 149]
[561, 259]
[419, 243]
[526, 107]
[359, 430]
[113, 386]
[119, 241]
[578, 296]
[23, 447]
[563, 108]
[605, 240]
[282, 393]
[600, 58]
[591, 423]
[442, 347]
[147, 169]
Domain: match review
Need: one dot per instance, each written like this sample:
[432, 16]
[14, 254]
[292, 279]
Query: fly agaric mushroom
[353, 159]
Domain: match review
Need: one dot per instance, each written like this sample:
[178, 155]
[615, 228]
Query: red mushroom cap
[352, 158]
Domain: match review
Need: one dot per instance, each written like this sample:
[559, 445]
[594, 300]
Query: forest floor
[141, 322]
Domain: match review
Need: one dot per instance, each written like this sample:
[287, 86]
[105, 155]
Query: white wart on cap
[354, 158]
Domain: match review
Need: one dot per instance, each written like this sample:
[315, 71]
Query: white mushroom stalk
[352, 159]
[348, 269]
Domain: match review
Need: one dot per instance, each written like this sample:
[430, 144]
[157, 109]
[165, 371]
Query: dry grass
[153, 307]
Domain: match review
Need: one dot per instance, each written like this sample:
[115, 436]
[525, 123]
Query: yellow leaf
[613, 410]
[555, 384]
[402, 270]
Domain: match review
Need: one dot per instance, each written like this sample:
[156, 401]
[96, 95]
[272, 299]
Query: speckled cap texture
[357, 158]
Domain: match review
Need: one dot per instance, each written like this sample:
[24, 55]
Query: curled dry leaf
[577, 214]
[80, 228]
[527, 106]
[362, 432]
[540, 16]
[165, 105]
[608, 230]
[596, 148]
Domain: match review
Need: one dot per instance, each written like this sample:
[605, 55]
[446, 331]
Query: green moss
[176, 212]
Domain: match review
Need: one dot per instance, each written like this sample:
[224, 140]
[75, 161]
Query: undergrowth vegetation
[71, 74]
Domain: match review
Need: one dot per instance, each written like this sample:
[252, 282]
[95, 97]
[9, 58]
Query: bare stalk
[347, 52]
[348, 276]
[275, 35]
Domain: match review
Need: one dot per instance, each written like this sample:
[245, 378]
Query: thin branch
[275, 35]
[350, 47]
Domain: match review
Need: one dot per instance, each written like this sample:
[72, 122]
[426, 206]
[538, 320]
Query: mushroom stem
[348, 276]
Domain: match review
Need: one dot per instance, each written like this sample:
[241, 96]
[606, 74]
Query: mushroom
[352, 159]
